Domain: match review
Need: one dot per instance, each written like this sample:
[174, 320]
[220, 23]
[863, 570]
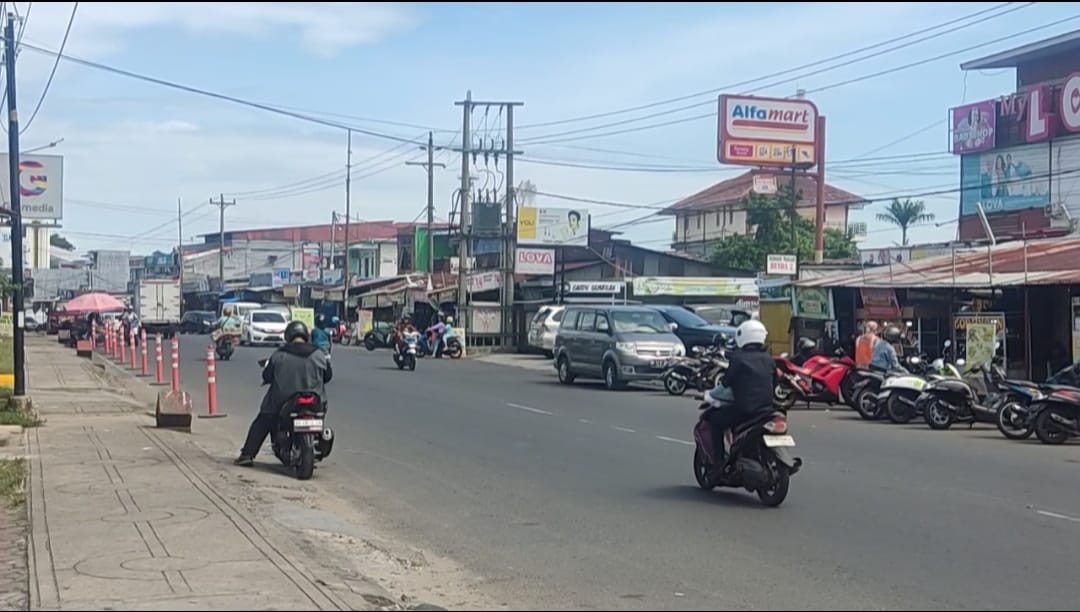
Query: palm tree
[904, 214]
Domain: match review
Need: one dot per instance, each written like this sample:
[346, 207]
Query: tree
[770, 219]
[60, 242]
[904, 214]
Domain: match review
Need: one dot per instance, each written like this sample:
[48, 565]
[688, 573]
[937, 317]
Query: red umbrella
[93, 302]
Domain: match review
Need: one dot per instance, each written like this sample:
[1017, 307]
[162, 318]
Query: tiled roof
[734, 190]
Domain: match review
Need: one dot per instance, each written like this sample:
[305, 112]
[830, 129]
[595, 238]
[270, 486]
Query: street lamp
[42, 147]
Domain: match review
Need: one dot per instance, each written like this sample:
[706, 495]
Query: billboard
[1005, 180]
[41, 185]
[767, 131]
[534, 261]
[553, 226]
[973, 127]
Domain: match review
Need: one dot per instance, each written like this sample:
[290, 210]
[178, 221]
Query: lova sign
[535, 261]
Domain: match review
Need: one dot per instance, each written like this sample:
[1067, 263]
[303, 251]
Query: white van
[240, 309]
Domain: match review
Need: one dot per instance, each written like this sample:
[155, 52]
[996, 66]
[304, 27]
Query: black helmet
[892, 333]
[297, 329]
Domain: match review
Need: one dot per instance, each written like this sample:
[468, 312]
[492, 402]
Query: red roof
[735, 190]
[358, 232]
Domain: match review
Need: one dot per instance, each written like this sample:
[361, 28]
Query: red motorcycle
[819, 379]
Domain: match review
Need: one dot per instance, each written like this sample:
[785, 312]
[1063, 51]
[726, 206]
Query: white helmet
[751, 332]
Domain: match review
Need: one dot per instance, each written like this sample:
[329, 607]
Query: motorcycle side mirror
[909, 324]
[961, 362]
[948, 343]
[914, 360]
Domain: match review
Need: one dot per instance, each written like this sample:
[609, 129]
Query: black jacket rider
[751, 376]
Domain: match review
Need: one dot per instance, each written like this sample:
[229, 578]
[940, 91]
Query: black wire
[52, 73]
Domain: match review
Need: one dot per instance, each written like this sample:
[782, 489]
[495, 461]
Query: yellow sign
[526, 224]
[304, 315]
[7, 351]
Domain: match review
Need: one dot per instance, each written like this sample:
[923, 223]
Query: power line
[569, 137]
[52, 72]
[827, 60]
[215, 95]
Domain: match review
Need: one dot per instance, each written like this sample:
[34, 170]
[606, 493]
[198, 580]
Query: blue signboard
[1002, 180]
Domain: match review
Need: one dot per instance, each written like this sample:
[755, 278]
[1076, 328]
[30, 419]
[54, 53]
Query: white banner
[41, 186]
[785, 265]
[553, 226]
[534, 261]
[596, 287]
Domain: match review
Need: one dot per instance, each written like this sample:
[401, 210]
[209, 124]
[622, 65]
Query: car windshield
[639, 322]
[267, 317]
[685, 318]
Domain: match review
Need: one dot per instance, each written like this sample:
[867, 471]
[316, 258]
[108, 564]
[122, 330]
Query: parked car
[197, 322]
[263, 327]
[619, 344]
[692, 329]
[543, 327]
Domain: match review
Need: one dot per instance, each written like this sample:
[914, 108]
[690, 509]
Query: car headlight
[680, 350]
[626, 347]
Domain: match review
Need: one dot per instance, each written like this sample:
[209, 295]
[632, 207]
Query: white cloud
[321, 28]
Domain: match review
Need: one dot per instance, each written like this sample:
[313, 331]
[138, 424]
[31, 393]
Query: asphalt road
[576, 497]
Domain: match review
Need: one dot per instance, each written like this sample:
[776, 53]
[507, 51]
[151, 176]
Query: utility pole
[464, 249]
[506, 231]
[348, 219]
[333, 239]
[429, 165]
[222, 205]
[180, 249]
[19, 340]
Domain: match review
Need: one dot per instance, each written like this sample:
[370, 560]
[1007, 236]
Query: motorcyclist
[296, 367]
[750, 379]
[320, 337]
[402, 327]
[884, 356]
[864, 345]
[435, 335]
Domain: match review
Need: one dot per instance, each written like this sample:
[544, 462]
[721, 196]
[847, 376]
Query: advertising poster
[979, 348]
[813, 303]
[553, 226]
[306, 315]
[690, 286]
[7, 351]
[880, 303]
[41, 186]
[974, 127]
[756, 131]
[975, 334]
[1005, 179]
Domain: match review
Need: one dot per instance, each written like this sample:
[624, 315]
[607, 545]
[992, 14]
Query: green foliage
[904, 214]
[770, 220]
[60, 242]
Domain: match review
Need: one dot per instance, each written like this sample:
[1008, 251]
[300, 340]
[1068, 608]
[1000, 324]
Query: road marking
[675, 440]
[585, 421]
[623, 429]
[1064, 517]
[528, 409]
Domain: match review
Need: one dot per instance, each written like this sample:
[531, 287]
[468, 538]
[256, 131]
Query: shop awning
[1053, 261]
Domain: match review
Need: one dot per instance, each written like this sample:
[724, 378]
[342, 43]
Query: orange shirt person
[864, 345]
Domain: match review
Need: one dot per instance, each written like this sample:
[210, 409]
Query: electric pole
[465, 235]
[222, 205]
[429, 165]
[333, 239]
[506, 230]
[180, 249]
[19, 348]
[348, 215]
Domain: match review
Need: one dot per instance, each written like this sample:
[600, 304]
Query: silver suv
[619, 344]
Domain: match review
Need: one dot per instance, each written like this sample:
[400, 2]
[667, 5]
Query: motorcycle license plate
[776, 441]
[307, 425]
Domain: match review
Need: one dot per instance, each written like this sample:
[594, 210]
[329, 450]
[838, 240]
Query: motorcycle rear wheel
[774, 496]
[306, 467]
[899, 411]
[783, 397]
[1013, 423]
[674, 385]
[866, 404]
[369, 343]
[937, 416]
[1047, 431]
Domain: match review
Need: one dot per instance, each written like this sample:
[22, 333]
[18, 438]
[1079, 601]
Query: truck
[157, 303]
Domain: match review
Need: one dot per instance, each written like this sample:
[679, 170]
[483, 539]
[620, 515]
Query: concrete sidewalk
[122, 519]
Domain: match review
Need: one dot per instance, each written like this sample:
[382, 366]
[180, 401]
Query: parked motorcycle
[819, 379]
[378, 337]
[907, 392]
[300, 437]
[758, 457]
[702, 371]
[1022, 403]
[1057, 414]
[406, 354]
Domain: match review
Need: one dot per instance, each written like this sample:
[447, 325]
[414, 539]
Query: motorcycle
[819, 379]
[300, 438]
[758, 456]
[1057, 414]
[224, 346]
[902, 398]
[702, 371]
[376, 338]
[1020, 407]
[453, 349]
[406, 353]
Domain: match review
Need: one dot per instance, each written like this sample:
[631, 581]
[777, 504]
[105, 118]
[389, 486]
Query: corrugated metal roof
[1054, 261]
[735, 190]
[1026, 53]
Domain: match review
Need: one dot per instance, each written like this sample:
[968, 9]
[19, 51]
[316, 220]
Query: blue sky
[131, 148]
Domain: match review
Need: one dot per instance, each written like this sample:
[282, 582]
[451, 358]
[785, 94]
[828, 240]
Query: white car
[263, 327]
[544, 326]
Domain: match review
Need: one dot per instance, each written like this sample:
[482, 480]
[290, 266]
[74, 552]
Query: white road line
[528, 409]
[1064, 517]
[675, 440]
[623, 429]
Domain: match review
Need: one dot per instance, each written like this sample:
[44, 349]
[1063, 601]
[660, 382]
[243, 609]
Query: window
[602, 324]
[586, 321]
[686, 224]
[570, 320]
[267, 317]
[558, 316]
[697, 220]
[684, 317]
[639, 322]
